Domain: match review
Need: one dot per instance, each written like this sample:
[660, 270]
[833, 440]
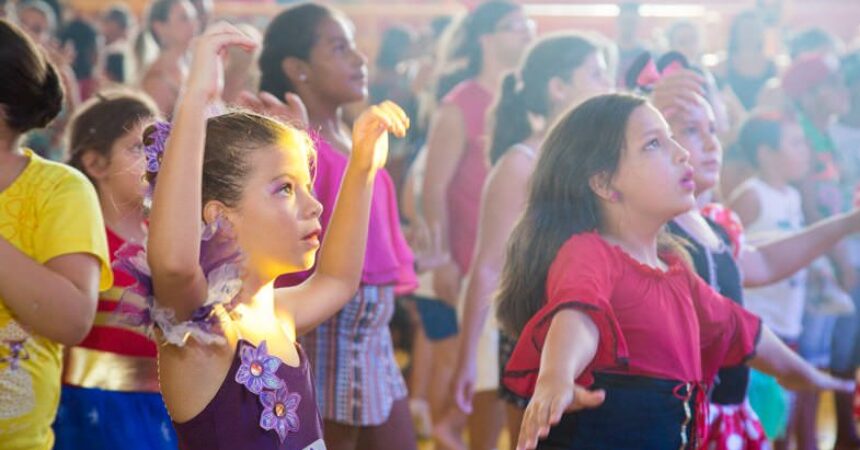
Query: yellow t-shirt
[48, 211]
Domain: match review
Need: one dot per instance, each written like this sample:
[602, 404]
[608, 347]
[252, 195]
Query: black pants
[639, 413]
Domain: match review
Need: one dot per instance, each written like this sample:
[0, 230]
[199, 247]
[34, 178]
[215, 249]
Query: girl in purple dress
[231, 373]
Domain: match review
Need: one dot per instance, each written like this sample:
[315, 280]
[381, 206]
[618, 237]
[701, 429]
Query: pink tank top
[388, 260]
[464, 191]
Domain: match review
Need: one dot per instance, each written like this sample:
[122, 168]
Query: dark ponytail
[510, 119]
[291, 34]
[466, 42]
[31, 94]
[555, 56]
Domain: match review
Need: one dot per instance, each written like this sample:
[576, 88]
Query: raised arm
[561, 363]
[341, 257]
[174, 228]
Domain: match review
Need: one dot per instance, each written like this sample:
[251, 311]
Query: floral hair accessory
[154, 148]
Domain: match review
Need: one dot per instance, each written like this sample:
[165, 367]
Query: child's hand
[206, 74]
[370, 134]
[290, 109]
[678, 92]
[463, 384]
[550, 400]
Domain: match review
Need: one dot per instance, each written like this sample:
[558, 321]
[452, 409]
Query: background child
[558, 72]
[309, 54]
[53, 248]
[110, 395]
[485, 44]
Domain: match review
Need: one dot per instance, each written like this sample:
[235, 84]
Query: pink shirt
[388, 259]
[464, 191]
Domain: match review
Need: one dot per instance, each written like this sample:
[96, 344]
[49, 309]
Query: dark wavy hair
[587, 141]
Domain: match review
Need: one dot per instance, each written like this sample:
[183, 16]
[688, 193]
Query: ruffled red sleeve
[582, 277]
[728, 333]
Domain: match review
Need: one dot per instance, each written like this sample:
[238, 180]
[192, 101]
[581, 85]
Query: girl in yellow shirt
[53, 250]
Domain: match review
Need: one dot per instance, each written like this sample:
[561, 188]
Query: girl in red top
[602, 299]
[110, 395]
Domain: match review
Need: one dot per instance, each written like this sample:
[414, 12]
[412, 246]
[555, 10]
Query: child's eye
[136, 149]
[286, 189]
[653, 144]
[691, 131]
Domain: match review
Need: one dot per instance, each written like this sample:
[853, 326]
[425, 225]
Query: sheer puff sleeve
[582, 277]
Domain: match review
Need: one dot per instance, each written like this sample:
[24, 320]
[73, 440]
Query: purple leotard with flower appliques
[263, 404]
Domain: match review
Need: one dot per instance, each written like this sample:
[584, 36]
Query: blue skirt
[95, 419]
[639, 413]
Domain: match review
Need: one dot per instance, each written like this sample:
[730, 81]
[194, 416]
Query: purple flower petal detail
[271, 381]
[256, 385]
[267, 420]
[261, 369]
[280, 412]
[281, 429]
[271, 364]
[268, 398]
[243, 374]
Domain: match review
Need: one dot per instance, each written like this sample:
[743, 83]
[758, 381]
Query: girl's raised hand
[206, 74]
[290, 109]
[551, 400]
[370, 134]
[678, 91]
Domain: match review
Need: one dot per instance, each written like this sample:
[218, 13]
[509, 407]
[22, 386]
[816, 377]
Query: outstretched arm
[341, 258]
[561, 363]
[778, 259]
[773, 357]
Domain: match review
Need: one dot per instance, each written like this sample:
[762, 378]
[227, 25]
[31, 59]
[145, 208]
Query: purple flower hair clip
[155, 148]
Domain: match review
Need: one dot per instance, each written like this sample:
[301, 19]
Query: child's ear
[296, 70]
[600, 184]
[94, 164]
[557, 89]
[214, 210]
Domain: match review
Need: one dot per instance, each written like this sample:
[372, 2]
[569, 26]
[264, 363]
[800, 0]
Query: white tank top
[780, 305]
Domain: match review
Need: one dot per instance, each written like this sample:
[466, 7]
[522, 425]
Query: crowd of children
[593, 247]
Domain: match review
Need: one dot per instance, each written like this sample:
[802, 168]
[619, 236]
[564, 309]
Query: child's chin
[308, 261]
